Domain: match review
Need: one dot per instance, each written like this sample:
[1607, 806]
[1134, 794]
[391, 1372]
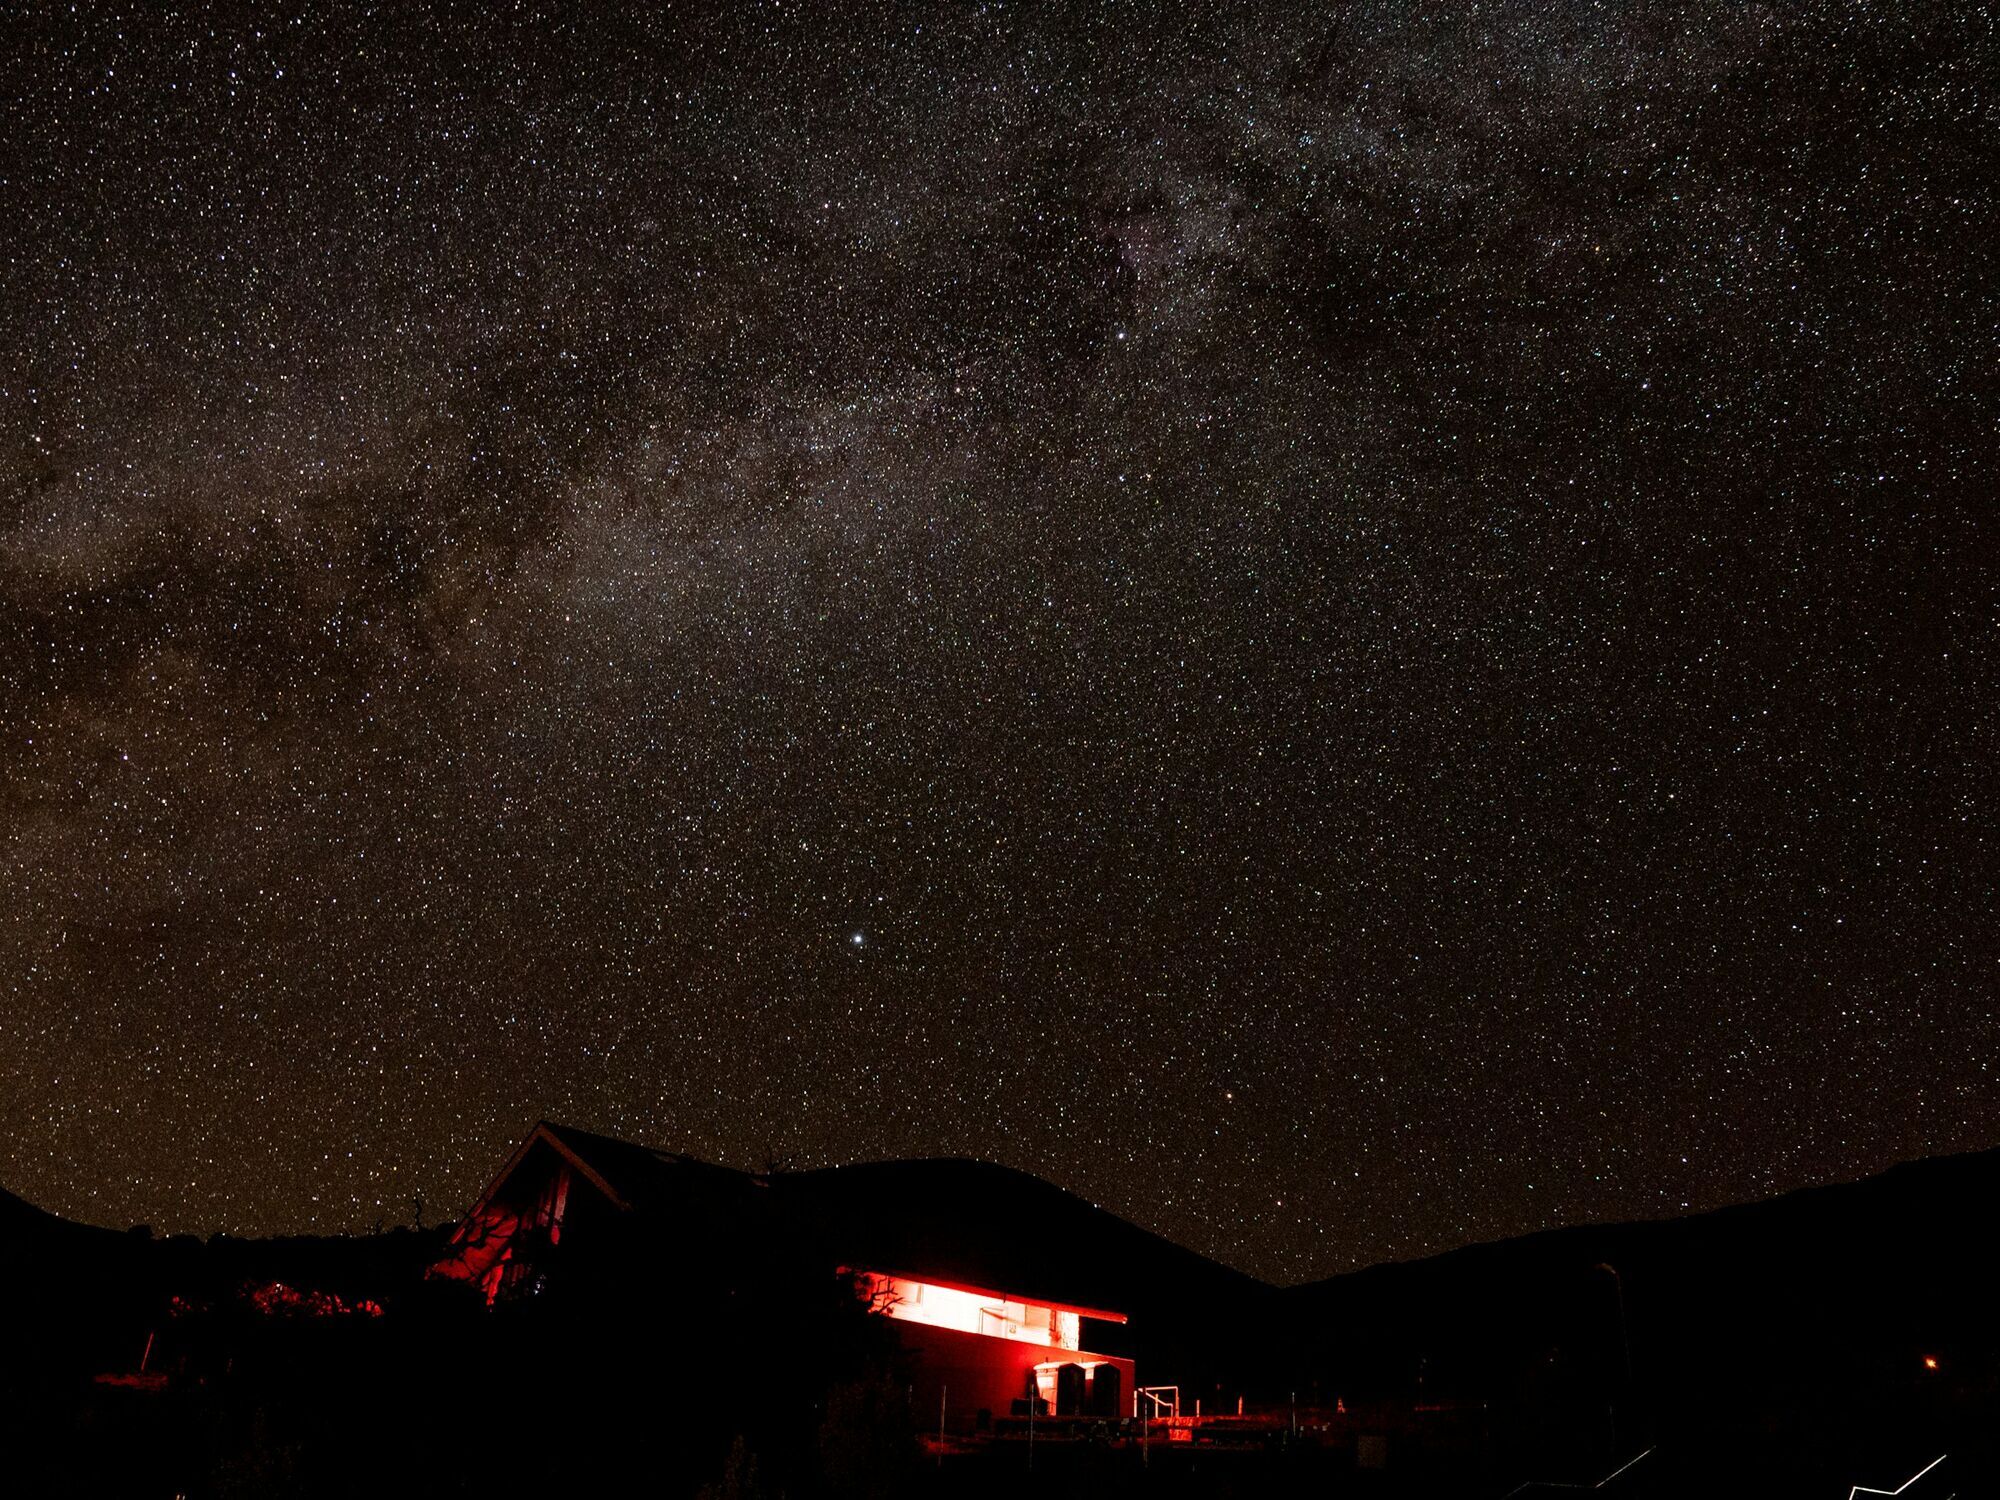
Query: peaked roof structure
[956, 1221]
[630, 1176]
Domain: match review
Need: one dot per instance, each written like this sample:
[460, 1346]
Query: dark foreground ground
[1834, 1339]
[254, 1443]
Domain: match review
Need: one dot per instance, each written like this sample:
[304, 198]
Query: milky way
[1342, 636]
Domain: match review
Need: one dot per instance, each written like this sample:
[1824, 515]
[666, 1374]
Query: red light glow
[274, 1299]
[970, 1310]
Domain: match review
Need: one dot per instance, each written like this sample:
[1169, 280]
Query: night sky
[1343, 635]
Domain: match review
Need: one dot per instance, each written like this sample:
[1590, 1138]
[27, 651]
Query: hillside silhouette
[1835, 1335]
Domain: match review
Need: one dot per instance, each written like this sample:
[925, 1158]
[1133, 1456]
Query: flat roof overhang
[1099, 1314]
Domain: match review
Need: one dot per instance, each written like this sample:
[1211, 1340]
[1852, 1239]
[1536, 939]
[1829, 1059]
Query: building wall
[973, 1372]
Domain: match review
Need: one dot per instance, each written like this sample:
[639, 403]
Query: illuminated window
[971, 1311]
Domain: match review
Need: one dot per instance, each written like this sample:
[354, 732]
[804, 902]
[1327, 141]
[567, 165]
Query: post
[1619, 1405]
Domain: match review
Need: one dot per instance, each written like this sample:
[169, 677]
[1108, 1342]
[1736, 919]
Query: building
[985, 1346]
[995, 1281]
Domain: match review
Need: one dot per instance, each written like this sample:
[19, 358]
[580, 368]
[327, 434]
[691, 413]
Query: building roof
[962, 1222]
[988, 1226]
[640, 1176]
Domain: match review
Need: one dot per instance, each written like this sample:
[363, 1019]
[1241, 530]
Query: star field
[1343, 635]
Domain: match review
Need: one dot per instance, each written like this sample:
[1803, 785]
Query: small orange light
[1930, 1361]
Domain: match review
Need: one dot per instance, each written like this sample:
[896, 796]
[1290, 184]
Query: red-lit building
[966, 1259]
[980, 1346]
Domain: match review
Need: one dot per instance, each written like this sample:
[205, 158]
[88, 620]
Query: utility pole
[1624, 1353]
